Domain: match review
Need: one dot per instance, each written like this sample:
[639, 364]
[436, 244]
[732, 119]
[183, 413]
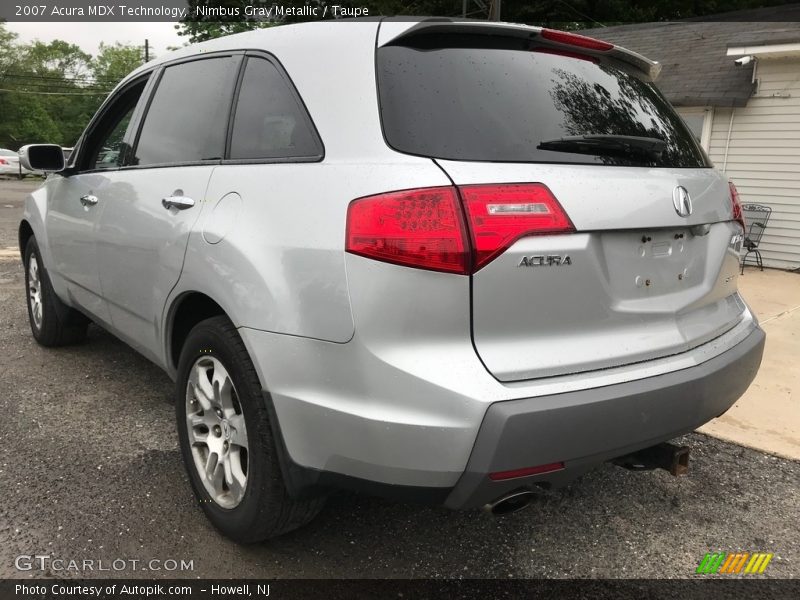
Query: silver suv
[452, 262]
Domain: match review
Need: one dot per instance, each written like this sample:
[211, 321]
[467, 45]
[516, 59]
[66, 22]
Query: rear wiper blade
[606, 144]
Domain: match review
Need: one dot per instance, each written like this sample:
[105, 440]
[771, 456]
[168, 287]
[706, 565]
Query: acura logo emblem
[682, 201]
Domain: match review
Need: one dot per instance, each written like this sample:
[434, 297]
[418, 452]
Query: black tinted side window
[111, 152]
[187, 118]
[269, 121]
[106, 146]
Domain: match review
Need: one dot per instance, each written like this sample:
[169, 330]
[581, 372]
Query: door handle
[89, 200]
[178, 201]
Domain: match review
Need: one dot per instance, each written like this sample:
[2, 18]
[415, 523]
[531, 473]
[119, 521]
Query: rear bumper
[587, 427]
[421, 419]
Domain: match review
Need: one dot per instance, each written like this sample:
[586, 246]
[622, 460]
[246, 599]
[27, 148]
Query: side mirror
[42, 157]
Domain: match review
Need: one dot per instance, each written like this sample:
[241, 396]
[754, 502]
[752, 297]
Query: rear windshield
[492, 98]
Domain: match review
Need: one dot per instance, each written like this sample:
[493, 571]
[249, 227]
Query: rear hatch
[640, 258]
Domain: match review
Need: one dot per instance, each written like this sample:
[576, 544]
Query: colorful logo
[734, 562]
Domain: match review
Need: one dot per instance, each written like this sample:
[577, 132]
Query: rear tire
[52, 322]
[226, 440]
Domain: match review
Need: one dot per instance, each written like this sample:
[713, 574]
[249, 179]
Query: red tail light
[736, 204]
[421, 228]
[3, 161]
[499, 215]
[573, 39]
[425, 227]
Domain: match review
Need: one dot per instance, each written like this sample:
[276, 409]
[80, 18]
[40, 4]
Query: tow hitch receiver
[669, 457]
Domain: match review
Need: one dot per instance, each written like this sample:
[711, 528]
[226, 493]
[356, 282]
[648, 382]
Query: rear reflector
[425, 227]
[573, 39]
[526, 472]
[420, 228]
[736, 205]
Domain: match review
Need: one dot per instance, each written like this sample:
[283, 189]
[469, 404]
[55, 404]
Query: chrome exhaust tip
[510, 503]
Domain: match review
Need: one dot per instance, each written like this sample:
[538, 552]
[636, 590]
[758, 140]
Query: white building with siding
[746, 116]
[758, 147]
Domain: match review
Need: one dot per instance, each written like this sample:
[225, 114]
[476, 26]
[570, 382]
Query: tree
[58, 59]
[199, 28]
[8, 50]
[115, 61]
[53, 89]
[55, 84]
[27, 122]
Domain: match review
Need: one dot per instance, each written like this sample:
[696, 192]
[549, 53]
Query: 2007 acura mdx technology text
[452, 262]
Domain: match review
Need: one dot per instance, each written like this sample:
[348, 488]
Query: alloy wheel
[35, 292]
[217, 432]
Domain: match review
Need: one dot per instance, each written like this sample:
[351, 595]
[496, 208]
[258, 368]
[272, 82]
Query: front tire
[226, 440]
[52, 322]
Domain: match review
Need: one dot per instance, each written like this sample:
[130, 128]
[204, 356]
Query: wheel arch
[25, 233]
[186, 311]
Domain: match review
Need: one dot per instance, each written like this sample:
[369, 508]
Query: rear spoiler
[393, 30]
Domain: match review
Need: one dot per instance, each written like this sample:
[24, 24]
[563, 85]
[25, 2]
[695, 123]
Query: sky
[89, 35]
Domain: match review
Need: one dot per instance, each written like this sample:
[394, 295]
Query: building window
[699, 122]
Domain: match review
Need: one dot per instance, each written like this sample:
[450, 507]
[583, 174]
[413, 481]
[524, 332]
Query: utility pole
[491, 8]
[494, 10]
[146, 50]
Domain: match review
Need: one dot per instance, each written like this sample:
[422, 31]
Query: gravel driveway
[90, 469]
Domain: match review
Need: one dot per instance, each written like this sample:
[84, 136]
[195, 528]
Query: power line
[64, 78]
[45, 85]
[585, 16]
[54, 93]
[57, 86]
[54, 88]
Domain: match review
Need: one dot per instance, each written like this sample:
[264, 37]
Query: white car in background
[9, 164]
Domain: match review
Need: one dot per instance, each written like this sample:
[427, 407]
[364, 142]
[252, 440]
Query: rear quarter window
[270, 122]
[491, 98]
